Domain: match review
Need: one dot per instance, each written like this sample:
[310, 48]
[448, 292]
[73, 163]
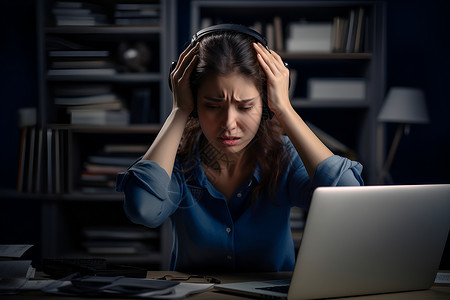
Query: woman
[224, 171]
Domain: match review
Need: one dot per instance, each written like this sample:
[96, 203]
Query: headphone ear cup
[194, 113]
[172, 67]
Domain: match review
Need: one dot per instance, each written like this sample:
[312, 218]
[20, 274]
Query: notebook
[365, 240]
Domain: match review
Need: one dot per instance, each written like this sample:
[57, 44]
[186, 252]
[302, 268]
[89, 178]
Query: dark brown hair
[221, 54]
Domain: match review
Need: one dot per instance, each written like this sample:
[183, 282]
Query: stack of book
[100, 170]
[71, 13]
[82, 62]
[119, 240]
[91, 104]
[137, 14]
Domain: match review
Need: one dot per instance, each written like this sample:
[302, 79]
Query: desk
[435, 293]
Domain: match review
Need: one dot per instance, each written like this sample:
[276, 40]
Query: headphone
[267, 113]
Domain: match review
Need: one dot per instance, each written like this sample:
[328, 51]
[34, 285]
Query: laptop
[365, 240]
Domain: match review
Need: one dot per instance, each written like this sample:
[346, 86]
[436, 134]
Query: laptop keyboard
[277, 288]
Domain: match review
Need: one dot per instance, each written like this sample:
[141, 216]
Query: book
[82, 64]
[336, 89]
[22, 160]
[80, 90]
[39, 163]
[359, 36]
[340, 33]
[127, 148]
[78, 53]
[111, 160]
[99, 117]
[97, 99]
[116, 105]
[351, 32]
[115, 247]
[279, 38]
[119, 233]
[103, 169]
[82, 72]
[270, 35]
[31, 159]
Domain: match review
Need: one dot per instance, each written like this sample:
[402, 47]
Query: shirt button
[229, 257]
[228, 229]
[239, 195]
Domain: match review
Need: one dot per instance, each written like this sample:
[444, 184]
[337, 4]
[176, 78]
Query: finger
[183, 62]
[266, 61]
[273, 58]
[187, 72]
[269, 60]
[186, 52]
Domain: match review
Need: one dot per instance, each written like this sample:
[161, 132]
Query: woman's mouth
[229, 140]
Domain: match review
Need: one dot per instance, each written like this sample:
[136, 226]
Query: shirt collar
[202, 176]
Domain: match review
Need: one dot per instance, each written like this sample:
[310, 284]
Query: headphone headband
[230, 27]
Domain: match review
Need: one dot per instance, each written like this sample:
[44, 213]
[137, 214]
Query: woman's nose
[229, 118]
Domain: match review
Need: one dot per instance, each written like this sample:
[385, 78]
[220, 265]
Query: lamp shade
[404, 105]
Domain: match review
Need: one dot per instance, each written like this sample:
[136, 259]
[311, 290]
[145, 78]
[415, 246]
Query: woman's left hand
[277, 79]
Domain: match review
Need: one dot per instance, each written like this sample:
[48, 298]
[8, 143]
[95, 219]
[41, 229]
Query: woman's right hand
[179, 78]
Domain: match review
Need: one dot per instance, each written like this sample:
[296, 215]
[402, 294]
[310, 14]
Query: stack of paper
[309, 37]
[336, 89]
[14, 273]
[124, 287]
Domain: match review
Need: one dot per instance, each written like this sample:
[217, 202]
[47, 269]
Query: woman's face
[229, 111]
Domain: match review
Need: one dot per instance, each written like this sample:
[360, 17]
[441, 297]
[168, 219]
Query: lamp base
[387, 165]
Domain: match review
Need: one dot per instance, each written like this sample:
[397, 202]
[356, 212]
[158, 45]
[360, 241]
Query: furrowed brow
[214, 99]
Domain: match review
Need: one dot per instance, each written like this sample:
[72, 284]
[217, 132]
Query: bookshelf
[295, 29]
[102, 82]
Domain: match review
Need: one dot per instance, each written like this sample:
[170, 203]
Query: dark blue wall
[18, 86]
[418, 56]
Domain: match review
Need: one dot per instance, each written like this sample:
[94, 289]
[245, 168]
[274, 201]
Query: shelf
[323, 104]
[325, 56]
[151, 128]
[10, 194]
[103, 30]
[119, 258]
[120, 78]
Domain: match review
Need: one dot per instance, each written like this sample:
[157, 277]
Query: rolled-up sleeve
[150, 194]
[338, 171]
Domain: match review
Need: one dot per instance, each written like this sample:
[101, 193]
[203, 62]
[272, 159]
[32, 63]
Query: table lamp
[405, 106]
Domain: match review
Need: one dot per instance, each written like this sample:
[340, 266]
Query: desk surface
[435, 293]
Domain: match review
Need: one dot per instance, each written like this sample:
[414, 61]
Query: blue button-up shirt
[209, 234]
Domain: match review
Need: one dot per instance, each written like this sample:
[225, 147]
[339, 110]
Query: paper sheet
[13, 251]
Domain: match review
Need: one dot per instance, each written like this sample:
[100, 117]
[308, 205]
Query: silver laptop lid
[371, 239]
